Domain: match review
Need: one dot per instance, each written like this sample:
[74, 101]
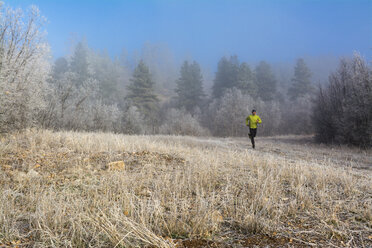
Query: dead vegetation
[69, 189]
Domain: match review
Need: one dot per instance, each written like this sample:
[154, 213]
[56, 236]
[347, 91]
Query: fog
[177, 67]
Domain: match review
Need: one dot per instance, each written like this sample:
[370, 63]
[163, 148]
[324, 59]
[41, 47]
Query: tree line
[90, 91]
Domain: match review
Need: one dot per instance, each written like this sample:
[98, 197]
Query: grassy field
[69, 189]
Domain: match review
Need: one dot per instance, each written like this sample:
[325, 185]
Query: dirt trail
[303, 148]
[294, 149]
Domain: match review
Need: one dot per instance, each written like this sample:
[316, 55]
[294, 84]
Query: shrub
[179, 122]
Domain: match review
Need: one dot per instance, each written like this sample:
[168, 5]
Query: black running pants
[252, 134]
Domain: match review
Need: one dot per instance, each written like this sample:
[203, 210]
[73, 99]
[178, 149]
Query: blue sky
[206, 30]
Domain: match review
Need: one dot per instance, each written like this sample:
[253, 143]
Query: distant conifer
[190, 86]
[141, 91]
[301, 85]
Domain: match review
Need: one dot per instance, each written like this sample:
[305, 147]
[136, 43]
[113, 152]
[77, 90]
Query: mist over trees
[150, 93]
[266, 82]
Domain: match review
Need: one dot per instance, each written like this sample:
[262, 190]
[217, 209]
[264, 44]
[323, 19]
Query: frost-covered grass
[59, 189]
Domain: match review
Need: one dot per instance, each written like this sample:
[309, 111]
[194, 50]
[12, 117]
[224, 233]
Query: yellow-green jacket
[252, 120]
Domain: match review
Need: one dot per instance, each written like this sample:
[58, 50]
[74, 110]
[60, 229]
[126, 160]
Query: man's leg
[253, 134]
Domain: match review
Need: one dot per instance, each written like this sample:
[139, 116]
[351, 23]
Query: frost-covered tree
[232, 112]
[106, 117]
[343, 109]
[24, 67]
[271, 117]
[190, 86]
[226, 116]
[133, 122]
[69, 105]
[79, 105]
[180, 122]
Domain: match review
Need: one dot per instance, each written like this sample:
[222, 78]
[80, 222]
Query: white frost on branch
[24, 67]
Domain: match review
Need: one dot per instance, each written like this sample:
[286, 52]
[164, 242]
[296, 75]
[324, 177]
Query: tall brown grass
[58, 190]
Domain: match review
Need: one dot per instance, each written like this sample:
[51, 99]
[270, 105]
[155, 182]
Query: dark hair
[253, 110]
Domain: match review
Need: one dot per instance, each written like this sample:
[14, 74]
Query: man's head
[253, 112]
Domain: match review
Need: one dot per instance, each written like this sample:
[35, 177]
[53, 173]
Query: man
[252, 120]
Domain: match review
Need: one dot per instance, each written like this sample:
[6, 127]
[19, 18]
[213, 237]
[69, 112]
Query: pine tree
[301, 85]
[226, 75]
[266, 82]
[190, 86]
[141, 91]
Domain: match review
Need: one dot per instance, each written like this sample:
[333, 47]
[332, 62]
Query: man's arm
[247, 121]
[259, 120]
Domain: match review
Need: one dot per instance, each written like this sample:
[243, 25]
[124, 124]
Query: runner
[252, 121]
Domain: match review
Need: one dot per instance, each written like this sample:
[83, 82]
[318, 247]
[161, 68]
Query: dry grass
[60, 190]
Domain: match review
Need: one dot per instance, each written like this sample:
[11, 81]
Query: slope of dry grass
[62, 190]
